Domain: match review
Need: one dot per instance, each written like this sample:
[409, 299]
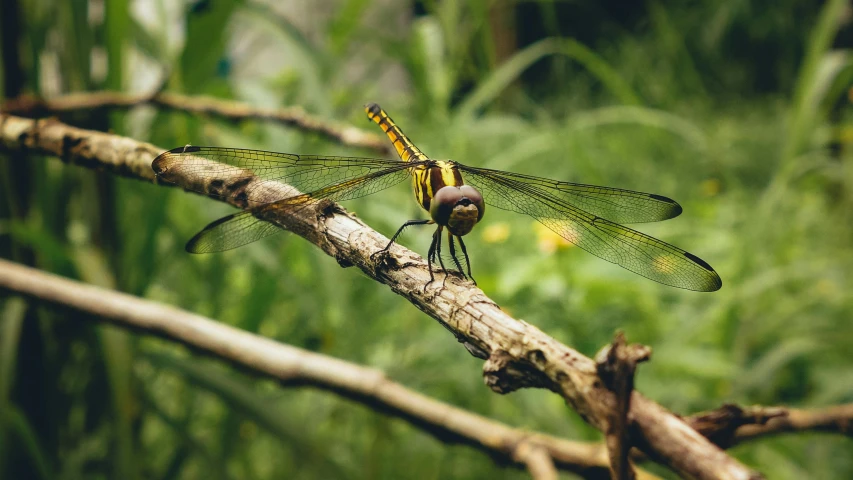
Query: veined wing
[630, 249]
[614, 204]
[249, 225]
[254, 176]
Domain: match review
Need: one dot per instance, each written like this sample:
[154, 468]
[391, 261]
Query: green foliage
[736, 109]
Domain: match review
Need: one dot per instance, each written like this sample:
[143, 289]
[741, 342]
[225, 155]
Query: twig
[616, 366]
[731, 424]
[836, 419]
[230, 110]
[519, 354]
[294, 366]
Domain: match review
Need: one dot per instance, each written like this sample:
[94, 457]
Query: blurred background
[740, 110]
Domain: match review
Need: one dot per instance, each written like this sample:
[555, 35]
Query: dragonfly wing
[254, 176]
[614, 204]
[230, 232]
[630, 249]
[249, 225]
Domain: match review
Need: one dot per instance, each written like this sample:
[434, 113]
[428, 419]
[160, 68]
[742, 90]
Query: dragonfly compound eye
[457, 208]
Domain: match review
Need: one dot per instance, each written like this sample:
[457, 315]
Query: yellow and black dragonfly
[455, 195]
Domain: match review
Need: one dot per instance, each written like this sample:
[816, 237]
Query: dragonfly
[453, 194]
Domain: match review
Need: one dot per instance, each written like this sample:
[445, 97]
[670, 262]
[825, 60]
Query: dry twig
[519, 354]
[227, 109]
[731, 424]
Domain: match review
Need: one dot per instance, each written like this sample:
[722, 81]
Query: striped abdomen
[405, 148]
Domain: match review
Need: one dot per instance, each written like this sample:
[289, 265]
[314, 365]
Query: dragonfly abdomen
[405, 148]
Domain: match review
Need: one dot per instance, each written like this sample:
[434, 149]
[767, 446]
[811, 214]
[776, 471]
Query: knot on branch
[505, 373]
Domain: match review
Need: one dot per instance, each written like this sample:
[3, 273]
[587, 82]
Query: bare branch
[226, 109]
[519, 354]
[836, 419]
[294, 366]
[731, 424]
[616, 366]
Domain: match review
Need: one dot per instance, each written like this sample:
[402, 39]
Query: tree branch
[519, 354]
[296, 117]
[730, 424]
[296, 367]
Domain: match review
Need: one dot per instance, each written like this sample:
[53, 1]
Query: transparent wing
[630, 249]
[230, 232]
[249, 225]
[614, 204]
[254, 176]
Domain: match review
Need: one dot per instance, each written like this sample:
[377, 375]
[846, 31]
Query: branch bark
[519, 354]
[296, 117]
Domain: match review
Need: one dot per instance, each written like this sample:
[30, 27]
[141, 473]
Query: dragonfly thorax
[457, 208]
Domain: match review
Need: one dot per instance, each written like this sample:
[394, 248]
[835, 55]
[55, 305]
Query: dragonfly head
[457, 208]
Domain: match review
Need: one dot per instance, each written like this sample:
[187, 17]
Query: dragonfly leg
[403, 227]
[467, 260]
[453, 252]
[400, 230]
[437, 239]
[431, 254]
